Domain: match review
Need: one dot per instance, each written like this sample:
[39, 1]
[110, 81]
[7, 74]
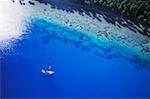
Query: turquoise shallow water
[83, 65]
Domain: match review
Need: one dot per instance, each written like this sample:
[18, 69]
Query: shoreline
[130, 22]
[87, 23]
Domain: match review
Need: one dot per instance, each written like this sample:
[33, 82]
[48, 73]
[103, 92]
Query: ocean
[84, 66]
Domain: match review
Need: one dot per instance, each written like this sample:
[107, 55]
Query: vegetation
[136, 9]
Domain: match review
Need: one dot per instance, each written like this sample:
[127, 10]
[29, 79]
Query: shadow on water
[92, 10]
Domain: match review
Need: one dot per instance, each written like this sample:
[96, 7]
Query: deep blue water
[83, 68]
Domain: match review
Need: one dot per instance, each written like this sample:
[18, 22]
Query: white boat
[48, 71]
